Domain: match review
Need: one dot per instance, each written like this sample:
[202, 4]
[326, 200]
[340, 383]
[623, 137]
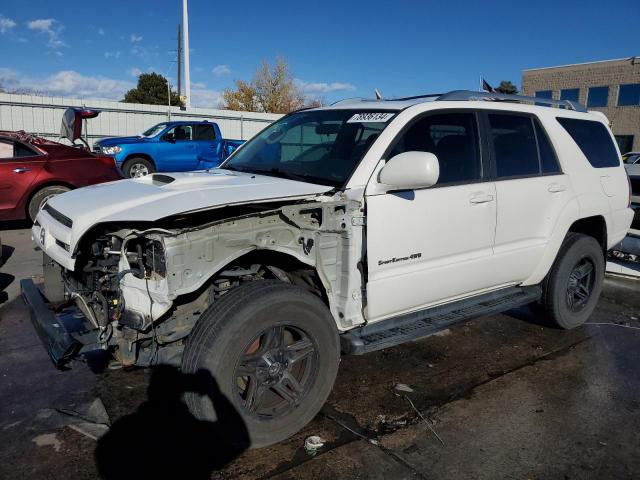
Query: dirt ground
[499, 397]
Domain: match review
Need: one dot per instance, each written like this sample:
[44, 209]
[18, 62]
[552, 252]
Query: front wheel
[573, 285]
[138, 167]
[273, 348]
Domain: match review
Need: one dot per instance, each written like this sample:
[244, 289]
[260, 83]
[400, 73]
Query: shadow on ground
[162, 439]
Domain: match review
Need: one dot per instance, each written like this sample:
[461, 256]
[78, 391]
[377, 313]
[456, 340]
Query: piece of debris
[48, 440]
[92, 430]
[312, 444]
[402, 387]
[426, 422]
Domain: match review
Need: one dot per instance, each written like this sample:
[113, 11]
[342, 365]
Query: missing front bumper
[64, 334]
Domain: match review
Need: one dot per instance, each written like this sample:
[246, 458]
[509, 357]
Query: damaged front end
[138, 292]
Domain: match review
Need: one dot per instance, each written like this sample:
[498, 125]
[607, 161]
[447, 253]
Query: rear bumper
[63, 334]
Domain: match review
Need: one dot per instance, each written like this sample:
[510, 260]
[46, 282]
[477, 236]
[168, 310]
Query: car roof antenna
[378, 94]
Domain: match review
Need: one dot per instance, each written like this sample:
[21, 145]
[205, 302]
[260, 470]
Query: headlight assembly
[112, 150]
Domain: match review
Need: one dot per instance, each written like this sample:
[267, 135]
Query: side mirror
[410, 170]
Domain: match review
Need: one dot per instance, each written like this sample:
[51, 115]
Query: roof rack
[415, 97]
[468, 95]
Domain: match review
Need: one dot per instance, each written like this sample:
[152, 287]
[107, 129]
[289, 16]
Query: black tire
[568, 299]
[238, 326]
[39, 198]
[136, 167]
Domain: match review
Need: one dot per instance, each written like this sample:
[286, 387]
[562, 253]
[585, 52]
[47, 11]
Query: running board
[417, 325]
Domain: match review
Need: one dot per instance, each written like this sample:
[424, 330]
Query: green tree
[271, 90]
[151, 90]
[507, 87]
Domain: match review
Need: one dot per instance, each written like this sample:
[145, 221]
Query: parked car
[33, 169]
[632, 163]
[342, 229]
[169, 147]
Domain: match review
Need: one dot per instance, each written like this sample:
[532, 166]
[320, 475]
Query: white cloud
[205, 98]
[51, 28]
[200, 85]
[66, 83]
[135, 72]
[135, 38]
[322, 87]
[220, 70]
[6, 24]
[115, 54]
[100, 31]
[42, 25]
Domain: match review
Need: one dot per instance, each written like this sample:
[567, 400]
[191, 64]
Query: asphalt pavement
[499, 397]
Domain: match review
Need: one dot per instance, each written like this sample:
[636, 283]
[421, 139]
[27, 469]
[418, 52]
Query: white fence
[43, 115]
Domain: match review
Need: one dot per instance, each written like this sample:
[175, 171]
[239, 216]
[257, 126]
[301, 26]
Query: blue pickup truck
[169, 147]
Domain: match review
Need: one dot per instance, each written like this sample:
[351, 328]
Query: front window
[153, 131]
[315, 146]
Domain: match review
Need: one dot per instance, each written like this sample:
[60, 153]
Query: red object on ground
[28, 164]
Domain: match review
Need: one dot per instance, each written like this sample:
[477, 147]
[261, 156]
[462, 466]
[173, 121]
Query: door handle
[556, 188]
[480, 198]
[21, 170]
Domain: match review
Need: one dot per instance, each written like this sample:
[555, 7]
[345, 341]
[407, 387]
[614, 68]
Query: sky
[336, 49]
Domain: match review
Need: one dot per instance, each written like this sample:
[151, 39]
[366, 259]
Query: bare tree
[272, 90]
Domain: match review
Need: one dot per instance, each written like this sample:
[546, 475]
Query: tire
[572, 287]
[41, 196]
[239, 326]
[138, 167]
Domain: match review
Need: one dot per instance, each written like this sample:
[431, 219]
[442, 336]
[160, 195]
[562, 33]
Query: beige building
[610, 86]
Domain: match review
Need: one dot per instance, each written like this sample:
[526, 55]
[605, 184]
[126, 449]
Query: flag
[486, 87]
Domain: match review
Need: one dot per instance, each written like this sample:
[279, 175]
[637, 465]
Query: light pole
[187, 72]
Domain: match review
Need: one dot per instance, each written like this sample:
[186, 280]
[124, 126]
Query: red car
[33, 169]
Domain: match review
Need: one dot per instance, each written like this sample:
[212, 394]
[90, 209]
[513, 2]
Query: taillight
[108, 161]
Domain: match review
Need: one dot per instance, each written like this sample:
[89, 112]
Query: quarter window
[594, 140]
[452, 137]
[597, 97]
[629, 94]
[514, 145]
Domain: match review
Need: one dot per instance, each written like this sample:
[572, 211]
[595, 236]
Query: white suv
[343, 229]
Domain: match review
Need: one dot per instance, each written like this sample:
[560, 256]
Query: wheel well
[595, 227]
[45, 185]
[298, 272]
[138, 155]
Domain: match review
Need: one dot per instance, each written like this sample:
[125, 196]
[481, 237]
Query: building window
[544, 94]
[570, 94]
[597, 97]
[629, 94]
[625, 143]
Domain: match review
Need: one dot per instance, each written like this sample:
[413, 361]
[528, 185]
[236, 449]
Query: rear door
[19, 168]
[531, 188]
[208, 147]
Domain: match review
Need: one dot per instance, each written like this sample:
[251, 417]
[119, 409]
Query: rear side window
[514, 145]
[594, 140]
[548, 160]
[204, 132]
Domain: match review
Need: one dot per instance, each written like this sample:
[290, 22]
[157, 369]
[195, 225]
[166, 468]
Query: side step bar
[417, 325]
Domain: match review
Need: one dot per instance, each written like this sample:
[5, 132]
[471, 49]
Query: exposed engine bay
[143, 289]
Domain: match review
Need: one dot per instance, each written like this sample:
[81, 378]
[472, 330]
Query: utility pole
[179, 61]
[187, 73]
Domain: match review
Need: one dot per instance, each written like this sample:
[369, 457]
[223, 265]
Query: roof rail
[468, 95]
[415, 97]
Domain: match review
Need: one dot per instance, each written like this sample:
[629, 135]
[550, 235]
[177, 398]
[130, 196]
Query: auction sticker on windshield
[371, 117]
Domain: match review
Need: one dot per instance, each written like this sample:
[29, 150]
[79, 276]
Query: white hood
[157, 196]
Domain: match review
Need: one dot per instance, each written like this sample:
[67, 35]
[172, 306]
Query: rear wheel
[138, 167]
[273, 349]
[41, 197]
[573, 285]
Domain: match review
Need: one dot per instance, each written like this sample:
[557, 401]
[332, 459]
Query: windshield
[321, 146]
[153, 131]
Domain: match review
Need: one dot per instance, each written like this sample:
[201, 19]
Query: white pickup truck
[336, 230]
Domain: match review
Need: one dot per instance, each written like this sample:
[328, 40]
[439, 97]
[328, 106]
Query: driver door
[178, 152]
[431, 245]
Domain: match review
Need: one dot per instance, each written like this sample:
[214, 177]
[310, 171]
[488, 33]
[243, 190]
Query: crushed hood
[160, 195]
